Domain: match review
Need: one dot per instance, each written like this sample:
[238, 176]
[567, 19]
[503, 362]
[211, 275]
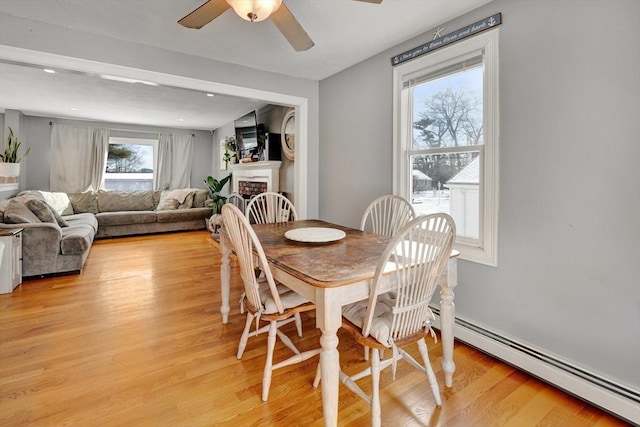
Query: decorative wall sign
[462, 33]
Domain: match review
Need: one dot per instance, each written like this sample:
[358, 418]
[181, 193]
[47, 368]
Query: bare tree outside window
[124, 158]
[129, 166]
[447, 135]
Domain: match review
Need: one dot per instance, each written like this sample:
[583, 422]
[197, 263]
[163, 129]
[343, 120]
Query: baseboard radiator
[617, 399]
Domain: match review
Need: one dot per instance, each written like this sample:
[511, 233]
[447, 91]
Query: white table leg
[328, 320]
[225, 278]
[447, 316]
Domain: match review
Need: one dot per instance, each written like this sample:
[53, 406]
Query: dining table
[333, 271]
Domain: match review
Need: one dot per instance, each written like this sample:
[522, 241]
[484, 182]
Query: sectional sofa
[59, 228]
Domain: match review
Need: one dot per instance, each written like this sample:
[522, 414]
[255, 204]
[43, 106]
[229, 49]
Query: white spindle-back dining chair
[265, 299]
[413, 262]
[267, 208]
[237, 200]
[387, 214]
[270, 207]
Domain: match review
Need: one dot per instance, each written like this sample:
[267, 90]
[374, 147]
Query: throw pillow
[44, 212]
[167, 203]
[84, 202]
[17, 213]
[40, 209]
[58, 201]
[188, 201]
[200, 198]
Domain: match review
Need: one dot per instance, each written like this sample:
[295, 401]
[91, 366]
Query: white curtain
[174, 161]
[182, 161]
[162, 179]
[78, 158]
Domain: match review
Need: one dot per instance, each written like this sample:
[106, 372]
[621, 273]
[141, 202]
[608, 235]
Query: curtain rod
[133, 130]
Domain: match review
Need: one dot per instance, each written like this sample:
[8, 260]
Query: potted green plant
[215, 186]
[10, 159]
[230, 148]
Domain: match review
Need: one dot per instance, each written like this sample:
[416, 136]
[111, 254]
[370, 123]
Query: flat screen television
[247, 132]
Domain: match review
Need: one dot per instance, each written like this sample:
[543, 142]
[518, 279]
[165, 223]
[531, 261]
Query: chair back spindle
[387, 214]
[270, 207]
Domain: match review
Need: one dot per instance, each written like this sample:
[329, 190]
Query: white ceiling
[345, 32]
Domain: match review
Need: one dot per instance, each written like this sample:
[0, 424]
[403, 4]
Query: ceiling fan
[256, 11]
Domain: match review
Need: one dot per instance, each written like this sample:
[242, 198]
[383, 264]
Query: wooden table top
[351, 259]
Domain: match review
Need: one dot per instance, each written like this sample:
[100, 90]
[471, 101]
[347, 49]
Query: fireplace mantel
[266, 174]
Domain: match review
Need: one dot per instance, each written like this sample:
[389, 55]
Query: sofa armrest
[45, 227]
[40, 247]
[40, 238]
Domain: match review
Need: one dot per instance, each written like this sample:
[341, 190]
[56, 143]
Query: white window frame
[120, 140]
[485, 250]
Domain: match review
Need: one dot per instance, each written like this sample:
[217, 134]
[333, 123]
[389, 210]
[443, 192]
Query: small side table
[11, 261]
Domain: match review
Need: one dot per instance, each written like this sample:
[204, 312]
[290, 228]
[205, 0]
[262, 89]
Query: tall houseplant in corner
[215, 187]
[10, 159]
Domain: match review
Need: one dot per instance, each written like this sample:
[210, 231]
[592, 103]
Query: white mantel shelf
[256, 165]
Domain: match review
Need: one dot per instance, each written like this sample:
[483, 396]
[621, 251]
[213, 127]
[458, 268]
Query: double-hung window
[130, 164]
[446, 139]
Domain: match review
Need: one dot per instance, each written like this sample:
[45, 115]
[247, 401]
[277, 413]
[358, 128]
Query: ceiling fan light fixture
[254, 10]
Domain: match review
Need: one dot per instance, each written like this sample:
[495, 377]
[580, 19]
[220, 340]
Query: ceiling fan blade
[204, 14]
[371, 1]
[291, 29]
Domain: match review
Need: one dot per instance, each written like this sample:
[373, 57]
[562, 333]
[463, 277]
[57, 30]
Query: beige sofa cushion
[86, 202]
[118, 201]
[44, 212]
[125, 218]
[76, 239]
[17, 213]
[178, 215]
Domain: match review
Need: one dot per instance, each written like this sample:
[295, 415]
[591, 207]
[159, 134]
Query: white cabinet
[254, 178]
[11, 260]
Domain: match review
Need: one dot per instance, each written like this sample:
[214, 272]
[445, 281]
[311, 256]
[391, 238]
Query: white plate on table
[315, 234]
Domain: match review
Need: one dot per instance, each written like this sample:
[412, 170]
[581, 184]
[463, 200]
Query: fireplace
[250, 179]
[247, 189]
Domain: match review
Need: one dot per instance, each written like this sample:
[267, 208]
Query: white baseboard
[610, 396]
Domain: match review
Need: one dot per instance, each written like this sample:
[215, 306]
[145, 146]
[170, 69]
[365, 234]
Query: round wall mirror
[288, 134]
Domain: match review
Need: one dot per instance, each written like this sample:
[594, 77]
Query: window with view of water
[446, 140]
[130, 164]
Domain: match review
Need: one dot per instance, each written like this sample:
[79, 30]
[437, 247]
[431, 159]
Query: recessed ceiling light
[181, 120]
[50, 71]
[73, 109]
[211, 94]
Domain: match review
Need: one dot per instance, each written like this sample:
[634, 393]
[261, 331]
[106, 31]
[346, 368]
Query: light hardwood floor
[137, 340]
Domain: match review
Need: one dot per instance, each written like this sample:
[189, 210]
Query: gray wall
[36, 133]
[568, 280]
[271, 116]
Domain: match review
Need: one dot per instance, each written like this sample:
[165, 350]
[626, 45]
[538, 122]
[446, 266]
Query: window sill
[477, 255]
